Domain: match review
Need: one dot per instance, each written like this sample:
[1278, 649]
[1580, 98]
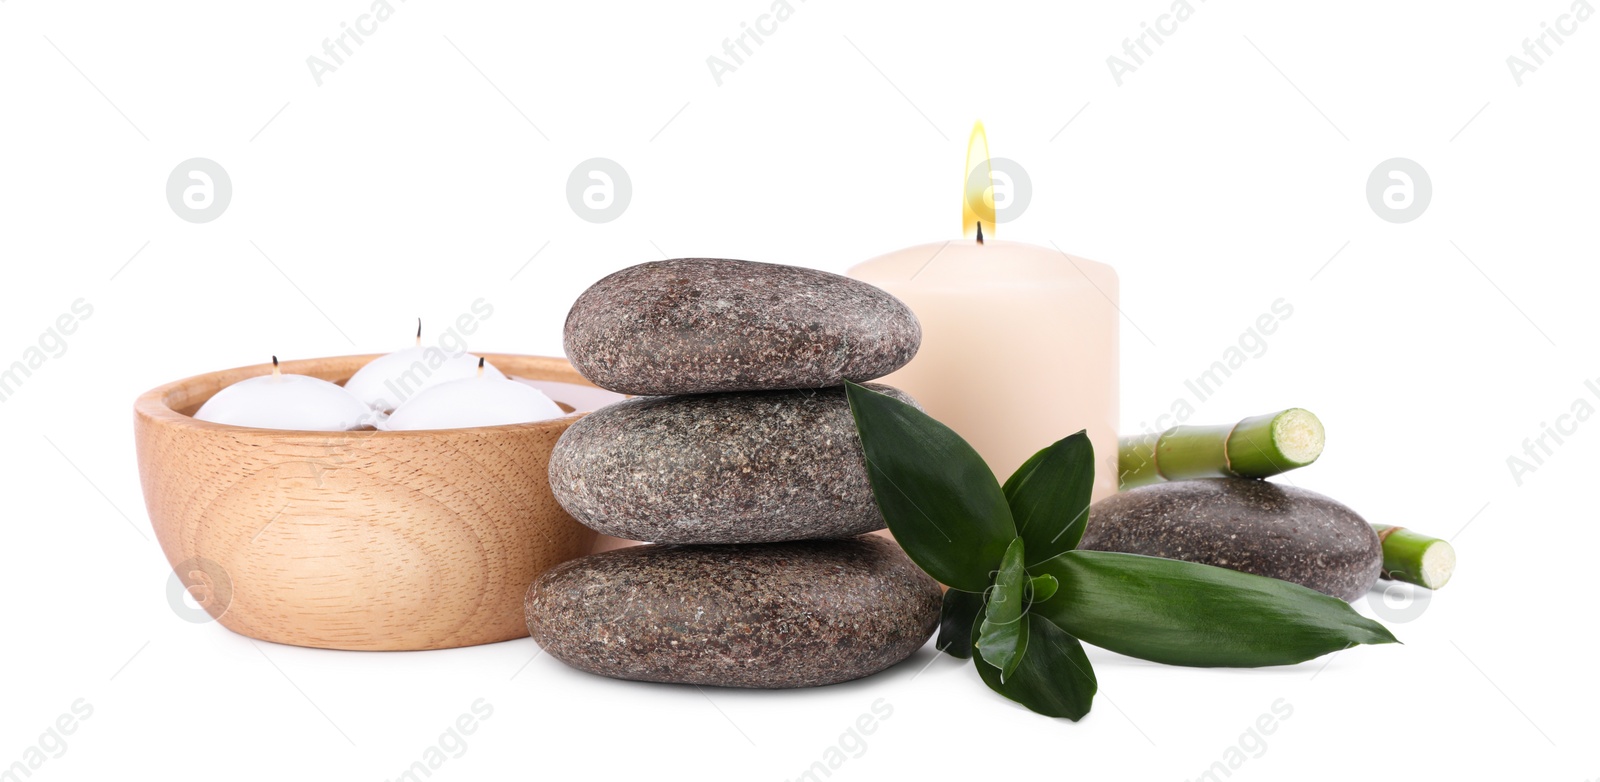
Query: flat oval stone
[700, 325]
[1247, 525]
[768, 615]
[748, 467]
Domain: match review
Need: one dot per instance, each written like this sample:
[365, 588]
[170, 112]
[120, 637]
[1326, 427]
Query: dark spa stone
[750, 467]
[768, 615]
[701, 325]
[1242, 524]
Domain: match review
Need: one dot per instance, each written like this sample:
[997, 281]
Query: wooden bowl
[366, 539]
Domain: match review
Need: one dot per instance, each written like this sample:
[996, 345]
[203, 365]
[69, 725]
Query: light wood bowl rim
[157, 403]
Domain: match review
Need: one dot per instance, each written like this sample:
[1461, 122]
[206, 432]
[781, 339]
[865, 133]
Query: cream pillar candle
[1019, 346]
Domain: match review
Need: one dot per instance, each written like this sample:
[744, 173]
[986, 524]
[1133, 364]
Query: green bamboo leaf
[1003, 636]
[1181, 613]
[1042, 588]
[1049, 496]
[1002, 646]
[1054, 677]
[941, 501]
[1024, 471]
[956, 619]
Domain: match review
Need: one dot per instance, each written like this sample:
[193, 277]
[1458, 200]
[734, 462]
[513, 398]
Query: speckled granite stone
[699, 325]
[763, 615]
[1247, 525]
[750, 467]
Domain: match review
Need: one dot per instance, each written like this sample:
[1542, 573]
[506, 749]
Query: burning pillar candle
[1019, 341]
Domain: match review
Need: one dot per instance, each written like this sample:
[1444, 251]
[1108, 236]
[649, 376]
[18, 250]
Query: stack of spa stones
[739, 461]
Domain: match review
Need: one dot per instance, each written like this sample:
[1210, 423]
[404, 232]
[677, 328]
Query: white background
[1224, 173]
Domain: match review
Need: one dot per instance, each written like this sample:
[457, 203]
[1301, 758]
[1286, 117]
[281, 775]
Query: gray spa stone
[700, 325]
[768, 615]
[1242, 524]
[750, 467]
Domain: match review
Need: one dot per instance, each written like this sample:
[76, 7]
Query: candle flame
[977, 197]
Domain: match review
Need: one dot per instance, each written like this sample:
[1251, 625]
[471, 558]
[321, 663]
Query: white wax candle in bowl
[280, 401]
[388, 381]
[484, 400]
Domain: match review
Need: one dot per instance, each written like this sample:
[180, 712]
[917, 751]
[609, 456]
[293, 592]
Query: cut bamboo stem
[1257, 447]
[1415, 558]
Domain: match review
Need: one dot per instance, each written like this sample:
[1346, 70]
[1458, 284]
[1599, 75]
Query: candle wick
[480, 366]
[980, 232]
[275, 371]
[419, 332]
